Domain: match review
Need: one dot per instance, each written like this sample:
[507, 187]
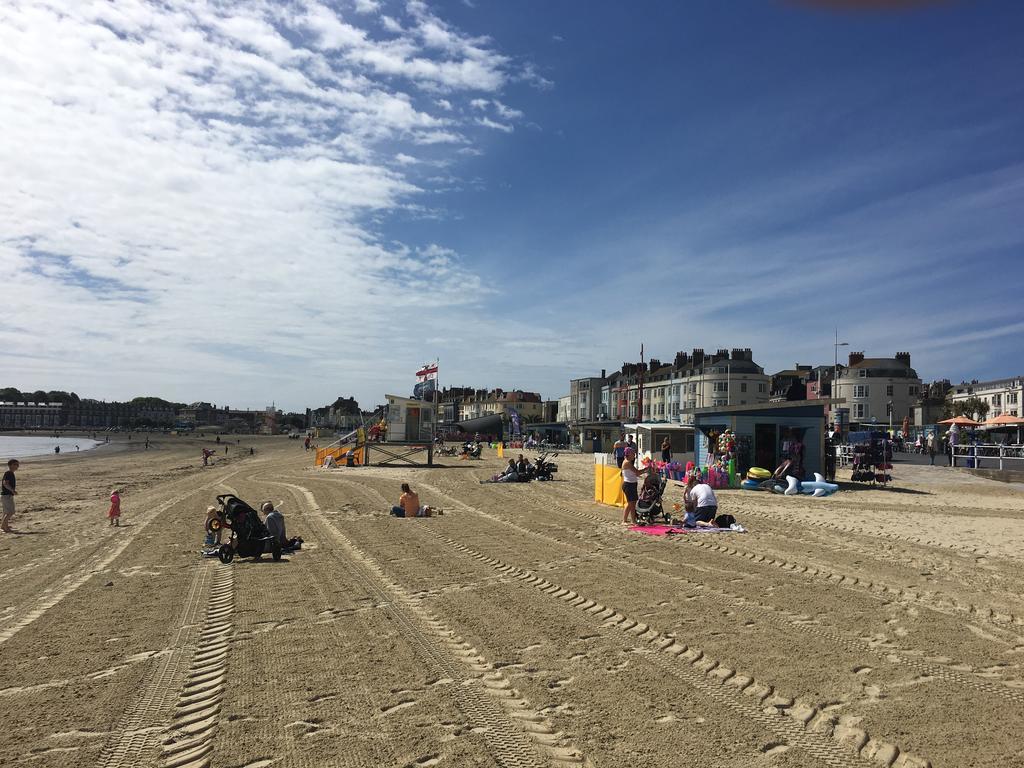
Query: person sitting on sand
[409, 505]
[509, 475]
[700, 502]
[523, 466]
[213, 536]
[274, 521]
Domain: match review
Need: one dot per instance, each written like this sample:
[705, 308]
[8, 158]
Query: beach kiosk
[410, 431]
[649, 436]
[765, 432]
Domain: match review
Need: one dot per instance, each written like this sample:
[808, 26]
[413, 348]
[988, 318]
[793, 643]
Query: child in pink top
[115, 507]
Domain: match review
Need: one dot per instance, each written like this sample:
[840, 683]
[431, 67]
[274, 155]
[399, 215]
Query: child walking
[115, 507]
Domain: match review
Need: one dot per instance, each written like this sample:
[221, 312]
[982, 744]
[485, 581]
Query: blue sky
[291, 201]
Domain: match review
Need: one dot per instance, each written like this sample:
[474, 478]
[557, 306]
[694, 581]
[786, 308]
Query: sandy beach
[525, 627]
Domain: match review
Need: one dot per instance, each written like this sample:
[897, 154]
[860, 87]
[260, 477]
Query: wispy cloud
[192, 191]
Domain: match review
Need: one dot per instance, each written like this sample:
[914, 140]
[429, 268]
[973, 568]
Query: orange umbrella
[961, 421]
[1004, 421]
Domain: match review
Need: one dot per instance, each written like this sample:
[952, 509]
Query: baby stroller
[649, 508]
[249, 536]
[543, 468]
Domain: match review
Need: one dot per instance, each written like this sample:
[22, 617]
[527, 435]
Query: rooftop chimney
[903, 357]
[856, 357]
[698, 357]
[603, 374]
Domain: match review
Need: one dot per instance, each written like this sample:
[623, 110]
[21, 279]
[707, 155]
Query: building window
[860, 390]
[1011, 398]
[721, 386]
[719, 402]
[762, 387]
[863, 373]
[860, 411]
[888, 390]
[914, 390]
[743, 387]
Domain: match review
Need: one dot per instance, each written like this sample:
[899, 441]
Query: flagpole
[437, 386]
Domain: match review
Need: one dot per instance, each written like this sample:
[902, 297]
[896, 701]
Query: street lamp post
[835, 366]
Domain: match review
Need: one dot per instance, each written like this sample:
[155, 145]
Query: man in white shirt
[701, 503]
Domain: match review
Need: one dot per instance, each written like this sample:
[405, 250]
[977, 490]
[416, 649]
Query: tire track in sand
[779, 617]
[928, 599]
[517, 735]
[189, 739]
[137, 733]
[55, 594]
[831, 740]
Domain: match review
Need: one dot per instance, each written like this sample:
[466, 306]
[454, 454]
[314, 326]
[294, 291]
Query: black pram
[249, 536]
[649, 508]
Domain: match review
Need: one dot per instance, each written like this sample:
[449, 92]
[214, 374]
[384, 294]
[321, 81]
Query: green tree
[11, 395]
[972, 408]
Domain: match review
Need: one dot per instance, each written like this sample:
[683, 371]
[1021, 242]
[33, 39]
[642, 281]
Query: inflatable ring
[751, 485]
[756, 473]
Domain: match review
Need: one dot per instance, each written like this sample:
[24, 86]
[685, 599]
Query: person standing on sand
[666, 450]
[619, 450]
[7, 493]
[931, 448]
[115, 508]
[630, 478]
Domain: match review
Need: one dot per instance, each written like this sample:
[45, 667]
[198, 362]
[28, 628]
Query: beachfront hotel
[1003, 396]
[671, 392]
[876, 390]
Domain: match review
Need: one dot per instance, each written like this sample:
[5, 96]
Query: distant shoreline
[100, 450]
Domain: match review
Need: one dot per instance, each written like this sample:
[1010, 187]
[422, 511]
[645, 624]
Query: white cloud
[486, 122]
[193, 193]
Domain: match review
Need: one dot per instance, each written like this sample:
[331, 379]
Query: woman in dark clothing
[666, 450]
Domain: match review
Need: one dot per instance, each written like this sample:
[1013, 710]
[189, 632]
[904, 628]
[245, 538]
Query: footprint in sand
[322, 697]
[396, 707]
[863, 670]
[558, 685]
[774, 748]
[427, 760]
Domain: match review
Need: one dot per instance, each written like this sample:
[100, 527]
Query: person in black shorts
[8, 490]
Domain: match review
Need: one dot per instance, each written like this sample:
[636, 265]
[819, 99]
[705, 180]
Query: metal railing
[988, 456]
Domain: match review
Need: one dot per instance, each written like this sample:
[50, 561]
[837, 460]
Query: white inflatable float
[816, 487]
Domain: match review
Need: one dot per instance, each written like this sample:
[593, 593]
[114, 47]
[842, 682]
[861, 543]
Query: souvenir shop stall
[872, 457]
[734, 439]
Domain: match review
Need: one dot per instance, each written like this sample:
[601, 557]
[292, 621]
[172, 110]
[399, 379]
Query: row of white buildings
[1004, 397]
[873, 390]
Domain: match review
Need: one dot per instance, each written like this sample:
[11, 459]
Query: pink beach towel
[667, 530]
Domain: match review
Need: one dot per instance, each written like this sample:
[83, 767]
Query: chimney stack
[903, 357]
[856, 357]
[698, 357]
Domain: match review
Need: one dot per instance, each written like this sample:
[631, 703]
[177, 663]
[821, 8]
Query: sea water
[12, 447]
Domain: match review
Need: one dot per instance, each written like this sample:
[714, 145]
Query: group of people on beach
[699, 500]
